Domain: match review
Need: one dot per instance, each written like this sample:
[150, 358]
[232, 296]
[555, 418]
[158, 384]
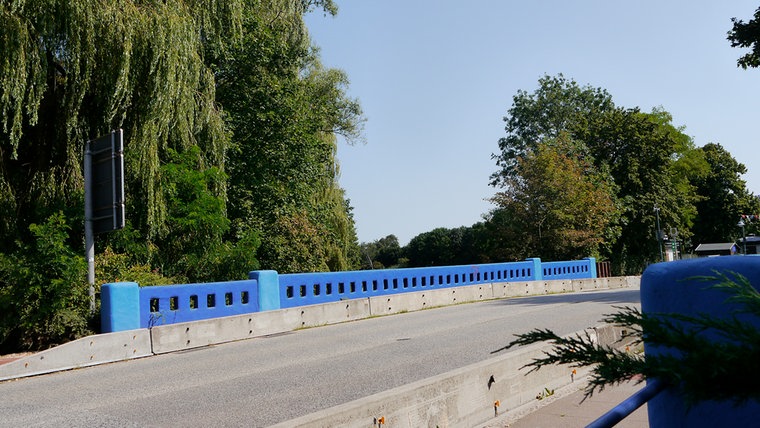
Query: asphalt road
[259, 382]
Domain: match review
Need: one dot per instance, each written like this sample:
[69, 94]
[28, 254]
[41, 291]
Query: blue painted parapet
[126, 306]
[171, 304]
[669, 288]
[301, 289]
[576, 269]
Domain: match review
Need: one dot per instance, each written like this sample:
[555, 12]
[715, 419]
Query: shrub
[43, 290]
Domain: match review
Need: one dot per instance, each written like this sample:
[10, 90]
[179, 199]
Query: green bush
[44, 297]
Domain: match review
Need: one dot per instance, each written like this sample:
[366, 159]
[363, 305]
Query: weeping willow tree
[71, 70]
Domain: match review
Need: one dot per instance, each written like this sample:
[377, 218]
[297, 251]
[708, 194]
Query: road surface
[263, 381]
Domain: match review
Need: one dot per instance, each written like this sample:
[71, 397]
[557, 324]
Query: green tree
[724, 197]
[558, 106]
[561, 207]
[73, 70]
[382, 253]
[652, 163]
[747, 35]
[285, 110]
[649, 161]
[433, 248]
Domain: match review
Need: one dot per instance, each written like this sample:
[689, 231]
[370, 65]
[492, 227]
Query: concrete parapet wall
[464, 397]
[87, 351]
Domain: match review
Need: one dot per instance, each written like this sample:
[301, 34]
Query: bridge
[415, 366]
[277, 378]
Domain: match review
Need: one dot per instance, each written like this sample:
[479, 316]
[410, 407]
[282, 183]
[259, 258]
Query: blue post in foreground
[673, 288]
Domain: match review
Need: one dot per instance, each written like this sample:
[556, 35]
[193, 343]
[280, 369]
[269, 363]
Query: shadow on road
[616, 297]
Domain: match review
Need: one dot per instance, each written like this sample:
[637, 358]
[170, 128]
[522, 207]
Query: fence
[126, 306]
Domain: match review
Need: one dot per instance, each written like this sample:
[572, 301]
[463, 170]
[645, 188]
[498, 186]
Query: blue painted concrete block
[538, 272]
[269, 289]
[119, 307]
[591, 266]
[671, 288]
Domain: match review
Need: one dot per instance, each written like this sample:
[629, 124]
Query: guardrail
[126, 306]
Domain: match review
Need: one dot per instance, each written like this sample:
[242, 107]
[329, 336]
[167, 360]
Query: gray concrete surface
[88, 351]
[569, 409]
[268, 380]
[467, 397]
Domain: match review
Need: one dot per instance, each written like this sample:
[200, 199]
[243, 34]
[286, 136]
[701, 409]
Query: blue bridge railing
[126, 306]
[310, 288]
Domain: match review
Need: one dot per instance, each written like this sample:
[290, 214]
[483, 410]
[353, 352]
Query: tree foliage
[284, 112]
[561, 208]
[652, 163]
[558, 106]
[642, 158]
[230, 125]
[382, 253]
[724, 197]
[442, 247]
[747, 35]
[43, 294]
[73, 70]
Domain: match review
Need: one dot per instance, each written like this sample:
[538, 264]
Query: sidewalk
[566, 410]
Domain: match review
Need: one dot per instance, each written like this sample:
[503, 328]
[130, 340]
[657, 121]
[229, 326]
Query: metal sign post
[103, 194]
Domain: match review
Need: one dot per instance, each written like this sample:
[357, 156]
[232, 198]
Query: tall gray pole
[89, 235]
[659, 232]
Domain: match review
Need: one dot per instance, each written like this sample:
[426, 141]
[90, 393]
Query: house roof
[723, 246]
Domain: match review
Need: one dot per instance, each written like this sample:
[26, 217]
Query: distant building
[720, 249]
[753, 242]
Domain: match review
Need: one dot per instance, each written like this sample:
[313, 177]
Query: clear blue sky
[436, 77]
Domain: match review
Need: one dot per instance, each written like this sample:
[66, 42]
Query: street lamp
[744, 237]
[659, 232]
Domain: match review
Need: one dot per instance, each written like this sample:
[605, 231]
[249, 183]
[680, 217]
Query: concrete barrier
[464, 397]
[109, 347]
[181, 336]
[87, 351]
